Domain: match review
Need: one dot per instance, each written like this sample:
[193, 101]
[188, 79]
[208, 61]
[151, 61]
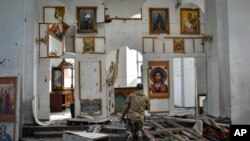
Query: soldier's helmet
[139, 86]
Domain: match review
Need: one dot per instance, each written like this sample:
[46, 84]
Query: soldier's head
[139, 86]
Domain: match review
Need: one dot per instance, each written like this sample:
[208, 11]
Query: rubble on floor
[179, 129]
[85, 136]
[165, 128]
[87, 120]
[156, 128]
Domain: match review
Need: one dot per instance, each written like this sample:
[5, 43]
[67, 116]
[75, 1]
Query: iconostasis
[91, 34]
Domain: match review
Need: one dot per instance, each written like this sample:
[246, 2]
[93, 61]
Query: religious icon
[88, 45]
[58, 30]
[86, 17]
[178, 45]
[158, 79]
[53, 14]
[7, 132]
[57, 79]
[59, 13]
[190, 23]
[8, 92]
[158, 20]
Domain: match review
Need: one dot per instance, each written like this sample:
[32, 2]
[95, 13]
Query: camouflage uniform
[134, 107]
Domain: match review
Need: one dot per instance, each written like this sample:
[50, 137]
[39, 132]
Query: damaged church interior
[69, 67]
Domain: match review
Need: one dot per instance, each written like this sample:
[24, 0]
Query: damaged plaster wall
[239, 31]
[70, 19]
[119, 33]
[44, 89]
[116, 8]
[218, 87]
[185, 80]
[17, 51]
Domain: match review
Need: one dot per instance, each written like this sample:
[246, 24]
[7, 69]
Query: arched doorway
[129, 75]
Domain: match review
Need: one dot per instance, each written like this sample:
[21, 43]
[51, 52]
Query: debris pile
[202, 129]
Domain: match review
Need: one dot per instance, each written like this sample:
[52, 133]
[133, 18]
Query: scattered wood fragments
[168, 129]
[162, 128]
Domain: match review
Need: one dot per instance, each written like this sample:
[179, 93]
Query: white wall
[189, 82]
[131, 68]
[18, 23]
[218, 81]
[184, 82]
[123, 33]
[199, 3]
[177, 75]
[44, 88]
[100, 95]
[239, 31]
[117, 8]
[200, 64]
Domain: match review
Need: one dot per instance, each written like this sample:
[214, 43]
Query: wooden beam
[193, 45]
[79, 79]
[100, 69]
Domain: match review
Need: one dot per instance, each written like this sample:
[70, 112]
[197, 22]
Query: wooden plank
[166, 129]
[74, 48]
[153, 49]
[163, 46]
[79, 79]
[143, 45]
[100, 69]
[193, 45]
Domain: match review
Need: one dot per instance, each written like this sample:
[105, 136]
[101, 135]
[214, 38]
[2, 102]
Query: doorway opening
[184, 86]
[55, 90]
[62, 90]
[129, 74]
[189, 83]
